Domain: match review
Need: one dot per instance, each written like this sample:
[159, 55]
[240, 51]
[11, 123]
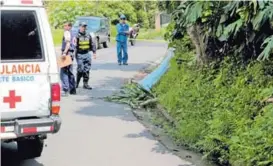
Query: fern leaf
[265, 163]
[232, 7]
[267, 92]
[255, 4]
[263, 16]
[219, 30]
[268, 49]
[194, 12]
[231, 29]
[261, 4]
[259, 18]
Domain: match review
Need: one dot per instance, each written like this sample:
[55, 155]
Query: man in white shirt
[67, 77]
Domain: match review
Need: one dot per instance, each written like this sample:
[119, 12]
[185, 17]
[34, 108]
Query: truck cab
[30, 90]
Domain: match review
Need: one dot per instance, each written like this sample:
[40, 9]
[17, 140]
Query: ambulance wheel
[30, 148]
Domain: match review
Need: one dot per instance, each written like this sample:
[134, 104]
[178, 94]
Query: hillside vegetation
[221, 94]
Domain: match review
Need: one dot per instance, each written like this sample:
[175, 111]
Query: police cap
[122, 16]
[83, 24]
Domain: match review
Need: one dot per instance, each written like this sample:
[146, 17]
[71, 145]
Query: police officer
[67, 77]
[84, 45]
[121, 38]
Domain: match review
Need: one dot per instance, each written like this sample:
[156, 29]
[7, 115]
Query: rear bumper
[30, 127]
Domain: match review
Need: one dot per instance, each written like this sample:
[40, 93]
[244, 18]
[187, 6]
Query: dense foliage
[243, 29]
[136, 11]
[221, 110]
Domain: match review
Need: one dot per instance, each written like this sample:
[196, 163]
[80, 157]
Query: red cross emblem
[12, 99]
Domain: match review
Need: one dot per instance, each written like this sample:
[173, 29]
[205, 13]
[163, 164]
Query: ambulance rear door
[25, 86]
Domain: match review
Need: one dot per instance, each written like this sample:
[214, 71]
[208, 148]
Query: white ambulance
[29, 77]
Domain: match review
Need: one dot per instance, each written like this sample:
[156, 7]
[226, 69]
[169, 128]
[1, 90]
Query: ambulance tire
[30, 148]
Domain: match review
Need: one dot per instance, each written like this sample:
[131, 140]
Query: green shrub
[220, 110]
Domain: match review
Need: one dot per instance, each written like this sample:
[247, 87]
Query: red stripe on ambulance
[27, 130]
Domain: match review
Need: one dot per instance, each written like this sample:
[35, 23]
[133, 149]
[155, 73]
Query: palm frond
[231, 30]
[263, 16]
[268, 48]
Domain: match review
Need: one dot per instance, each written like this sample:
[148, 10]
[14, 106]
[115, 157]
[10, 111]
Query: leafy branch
[135, 96]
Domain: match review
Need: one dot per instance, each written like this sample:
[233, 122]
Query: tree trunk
[195, 34]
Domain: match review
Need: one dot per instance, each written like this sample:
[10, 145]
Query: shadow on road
[159, 148]
[9, 156]
[105, 87]
[115, 66]
[101, 108]
[144, 133]
[95, 106]
[105, 109]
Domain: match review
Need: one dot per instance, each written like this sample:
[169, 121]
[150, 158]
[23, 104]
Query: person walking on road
[121, 38]
[84, 44]
[67, 76]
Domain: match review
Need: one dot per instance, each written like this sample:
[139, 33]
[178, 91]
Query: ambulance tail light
[55, 98]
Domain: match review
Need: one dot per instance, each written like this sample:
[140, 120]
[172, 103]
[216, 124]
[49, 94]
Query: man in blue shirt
[122, 36]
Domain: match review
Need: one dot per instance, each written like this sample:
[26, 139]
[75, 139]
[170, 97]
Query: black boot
[73, 91]
[85, 80]
[79, 76]
[86, 86]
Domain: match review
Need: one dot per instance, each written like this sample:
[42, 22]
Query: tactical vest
[83, 45]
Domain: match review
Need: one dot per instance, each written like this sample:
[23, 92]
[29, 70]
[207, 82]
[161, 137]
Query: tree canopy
[227, 28]
[136, 11]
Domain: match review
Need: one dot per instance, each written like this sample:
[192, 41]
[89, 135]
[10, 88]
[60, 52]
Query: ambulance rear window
[20, 36]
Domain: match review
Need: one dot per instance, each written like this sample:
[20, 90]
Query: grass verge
[151, 34]
[147, 34]
[57, 36]
[221, 110]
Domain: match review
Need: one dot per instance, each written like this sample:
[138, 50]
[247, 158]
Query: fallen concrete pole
[151, 79]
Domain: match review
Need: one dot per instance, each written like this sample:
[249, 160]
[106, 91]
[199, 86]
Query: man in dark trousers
[67, 77]
[84, 45]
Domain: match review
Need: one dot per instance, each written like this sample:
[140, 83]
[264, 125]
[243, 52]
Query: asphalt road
[98, 133]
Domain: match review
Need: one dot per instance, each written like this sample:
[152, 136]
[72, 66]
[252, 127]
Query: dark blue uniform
[84, 45]
[67, 77]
